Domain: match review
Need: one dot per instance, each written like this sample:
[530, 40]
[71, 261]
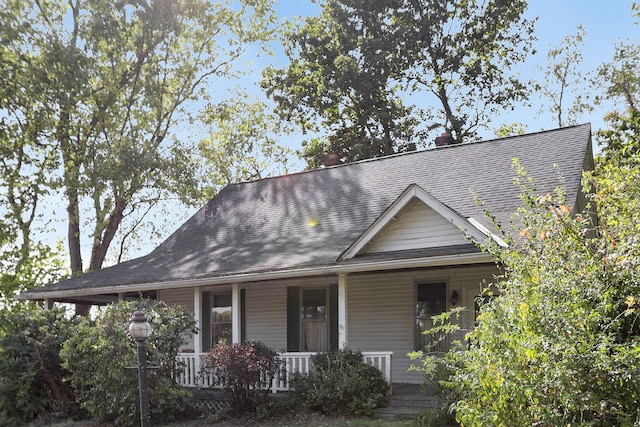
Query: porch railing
[189, 368]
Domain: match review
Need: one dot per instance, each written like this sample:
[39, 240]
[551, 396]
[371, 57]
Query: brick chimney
[332, 160]
[444, 139]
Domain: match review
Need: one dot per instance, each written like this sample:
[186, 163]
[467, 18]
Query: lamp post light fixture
[140, 330]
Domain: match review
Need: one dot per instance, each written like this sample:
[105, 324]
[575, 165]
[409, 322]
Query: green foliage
[621, 77]
[565, 86]
[245, 371]
[99, 351]
[32, 382]
[340, 383]
[351, 67]
[242, 145]
[20, 270]
[560, 344]
[96, 89]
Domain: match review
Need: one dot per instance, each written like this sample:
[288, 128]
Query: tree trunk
[100, 247]
[71, 161]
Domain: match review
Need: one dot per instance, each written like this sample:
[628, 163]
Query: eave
[351, 266]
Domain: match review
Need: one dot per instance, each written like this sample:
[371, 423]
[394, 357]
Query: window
[216, 312]
[312, 318]
[221, 319]
[431, 300]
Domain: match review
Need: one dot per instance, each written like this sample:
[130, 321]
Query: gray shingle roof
[310, 218]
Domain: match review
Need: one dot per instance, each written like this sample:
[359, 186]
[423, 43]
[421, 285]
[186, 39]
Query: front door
[431, 300]
[315, 325]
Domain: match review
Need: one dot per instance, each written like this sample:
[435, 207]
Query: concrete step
[406, 402]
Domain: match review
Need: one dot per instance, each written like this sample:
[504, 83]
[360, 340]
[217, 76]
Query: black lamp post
[140, 330]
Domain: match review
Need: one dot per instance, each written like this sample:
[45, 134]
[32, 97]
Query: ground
[311, 420]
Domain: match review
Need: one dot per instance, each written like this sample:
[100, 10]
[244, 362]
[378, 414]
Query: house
[358, 255]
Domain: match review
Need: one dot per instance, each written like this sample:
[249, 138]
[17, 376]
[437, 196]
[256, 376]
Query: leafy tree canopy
[90, 91]
[349, 66]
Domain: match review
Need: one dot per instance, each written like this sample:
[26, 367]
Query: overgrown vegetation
[32, 382]
[99, 352]
[245, 371]
[54, 366]
[340, 383]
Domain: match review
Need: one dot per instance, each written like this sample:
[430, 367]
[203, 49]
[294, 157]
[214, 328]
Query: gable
[418, 226]
[417, 220]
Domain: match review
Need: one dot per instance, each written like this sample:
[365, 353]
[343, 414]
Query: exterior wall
[381, 309]
[266, 309]
[417, 227]
[184, 298]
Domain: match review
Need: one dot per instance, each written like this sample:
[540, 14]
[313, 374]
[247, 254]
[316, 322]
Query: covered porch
[379, 314]
[189, 373]
[229, 324]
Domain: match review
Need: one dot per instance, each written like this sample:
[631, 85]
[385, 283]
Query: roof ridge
[408, 153]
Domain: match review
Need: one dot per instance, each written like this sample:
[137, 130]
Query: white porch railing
[189, 373]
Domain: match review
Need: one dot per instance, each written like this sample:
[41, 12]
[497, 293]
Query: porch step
[406, 402]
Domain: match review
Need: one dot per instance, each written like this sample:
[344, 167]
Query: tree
[26, 166]
[563, 82]
[100, 86]
[349, 67]
[621, 79]
[242, 145]
[343, 77]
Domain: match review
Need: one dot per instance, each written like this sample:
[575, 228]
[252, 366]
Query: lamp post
[140, 330]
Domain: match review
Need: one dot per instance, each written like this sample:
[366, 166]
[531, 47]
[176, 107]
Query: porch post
[235, 314]
[48, 303]
[342, 311]
[197, 316]
[120, 296]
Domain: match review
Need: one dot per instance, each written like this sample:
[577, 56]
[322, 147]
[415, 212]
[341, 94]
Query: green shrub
[98, 353]
[246, 372]
[560, 344]
[340, 383]
[32, 381]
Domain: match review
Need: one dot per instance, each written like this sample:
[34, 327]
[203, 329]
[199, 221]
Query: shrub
[98, 353]
[246, 371]
[560, 345]
[31, 379]
[340, 383]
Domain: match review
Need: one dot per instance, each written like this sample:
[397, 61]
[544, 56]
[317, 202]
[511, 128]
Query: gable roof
[469, 227]
[310, 219]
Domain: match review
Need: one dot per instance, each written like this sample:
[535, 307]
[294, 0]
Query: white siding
[183, 297]
[266, 314]
[266, 309]
[381, 310]
[417, 227]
